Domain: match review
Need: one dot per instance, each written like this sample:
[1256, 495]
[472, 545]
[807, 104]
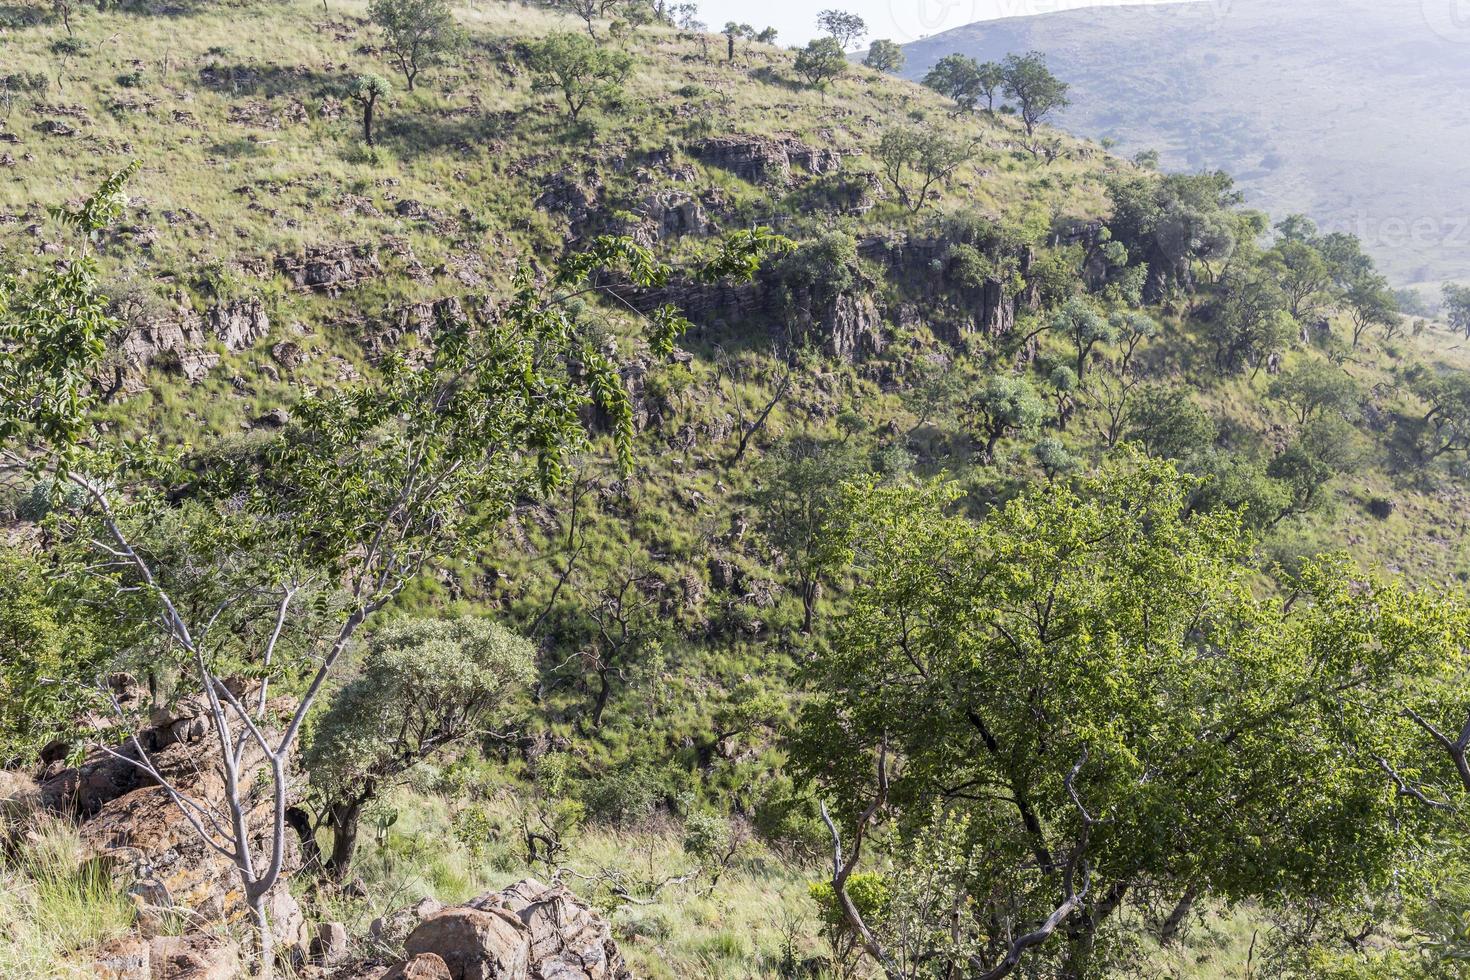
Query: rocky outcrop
[192, 957]
[330, 268]
[765, 159]
[528, 931]
[413, 326]
[153, 853]
[180, 341]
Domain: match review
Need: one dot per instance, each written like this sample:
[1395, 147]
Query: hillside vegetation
[646, 603]
[1299, 102]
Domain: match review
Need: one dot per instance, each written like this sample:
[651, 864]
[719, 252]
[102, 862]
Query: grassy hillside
[1302, 103]
[267, 250]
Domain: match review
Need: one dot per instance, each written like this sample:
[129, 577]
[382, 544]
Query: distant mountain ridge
[1351, 111]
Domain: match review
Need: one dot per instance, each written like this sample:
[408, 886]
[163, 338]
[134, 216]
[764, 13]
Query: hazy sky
[901, 20]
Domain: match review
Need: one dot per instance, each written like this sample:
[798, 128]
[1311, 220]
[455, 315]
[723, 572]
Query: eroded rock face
[151, 850]
[330, 268]
[180, 341]
[765, 159]
[528, 931]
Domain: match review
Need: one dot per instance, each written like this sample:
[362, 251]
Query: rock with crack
[330, 268]
[194, 957]
[528, 931]
[179, 341]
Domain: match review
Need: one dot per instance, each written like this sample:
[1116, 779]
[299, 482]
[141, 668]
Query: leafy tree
[842, 27]
[367, 90]
[1084, 328]
[1036, 91]
[49, 657]
[371, 485]
[1457, 307]
[885, 56]
[1055, 459]
[1133, 330]
[820, 62]
[990, 80]
[797, 492]
[733, 32]
[1447, 421]
[767, 35]
[1315, 388]
[958, 77]
[416, 33]
[577, 68]
[1324, 449]
[915, 160]
[590, 10]
[1250, 321]
[1171, 223]
[1166, 422]
[1005, 405]
[1304, 275]
[423, 685]
[1369, 302]
[936, 389]
[1089, 681]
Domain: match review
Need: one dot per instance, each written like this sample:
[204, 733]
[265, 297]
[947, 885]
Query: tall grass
[53, 904]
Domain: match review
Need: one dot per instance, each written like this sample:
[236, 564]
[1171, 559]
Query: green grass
[54, 905]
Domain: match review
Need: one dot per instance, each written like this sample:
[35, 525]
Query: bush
[622, 797]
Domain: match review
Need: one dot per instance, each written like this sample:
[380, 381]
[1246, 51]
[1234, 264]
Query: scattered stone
[329, 945]
[55, 127]
[423, 966]
[765, 159]
[288, 354]
[276, 418]
[394, 927]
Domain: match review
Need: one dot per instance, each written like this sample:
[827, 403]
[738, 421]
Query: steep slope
[1341, 109]
[266, 250]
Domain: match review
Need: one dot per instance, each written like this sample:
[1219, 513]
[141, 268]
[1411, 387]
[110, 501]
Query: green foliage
[1314, 388]
[1092, 664]
[1457, 306]
[1005, 405]
[885, 56]
[821, 61]
[797, 489]
[49, 656]
[1055, 459]
[1165, 421]
[579, 69]
[842, 26]
[1036, 91]
[1084, 327]
[958, 77]
[417, 34]
[869, 892]
[423, 685]
[918, 159]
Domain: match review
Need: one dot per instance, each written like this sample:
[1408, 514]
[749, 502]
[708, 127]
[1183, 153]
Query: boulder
[330, 268]
[765, 159]
[394, 927]
[475, 944]
[198, 956]
[329, 945]
[179, 341]
[424, 966]
[528, 931]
